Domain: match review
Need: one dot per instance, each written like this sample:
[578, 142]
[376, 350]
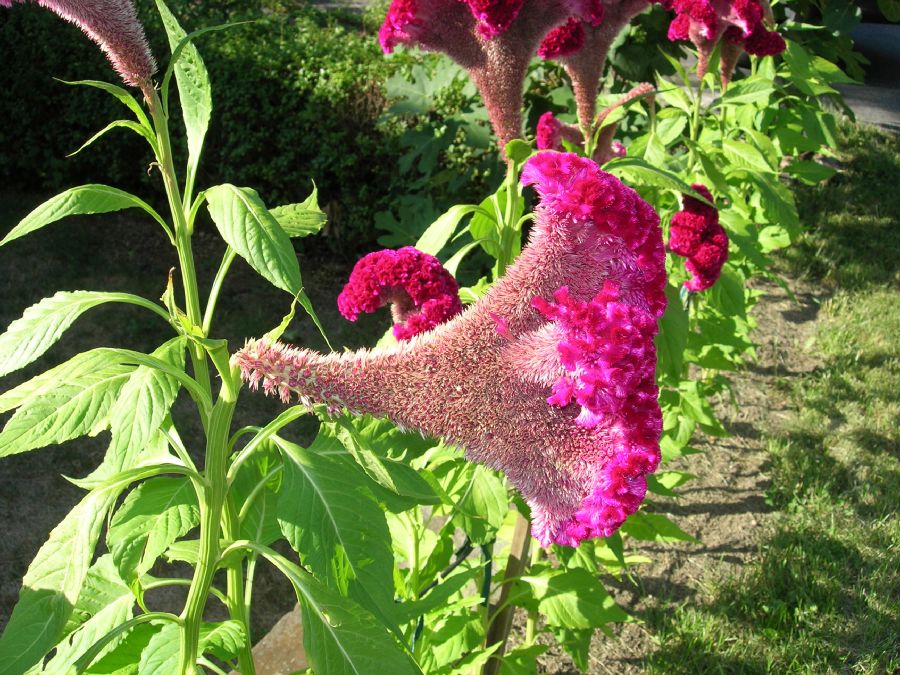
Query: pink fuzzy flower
[114, 26]
[558, 394]
[740, 22]
[564, 40]
[422, 294]
[492, 39]
[618, 149]
[695, 233]
[551, 133]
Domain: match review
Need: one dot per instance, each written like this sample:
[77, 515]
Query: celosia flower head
[740, 22]
[549, 377]
[551, 132]
[695, 233]
[422, 294]
[114, 26]
[492, 39]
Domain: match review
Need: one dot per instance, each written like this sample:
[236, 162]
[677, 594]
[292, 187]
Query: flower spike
[696, 234]
[549, 377]
[114, 26]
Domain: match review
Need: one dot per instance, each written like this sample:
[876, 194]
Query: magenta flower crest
[695, 233]
[740, 22]
[422, 294]
[492, 39]
[114, 26]
[549, 377]
[551, 132]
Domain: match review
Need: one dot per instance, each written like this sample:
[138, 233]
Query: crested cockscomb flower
[420, 291]
[740, 22]
[551, 132]
[564, 40]
[492, 39]
[549, 377]
[695, 233]
[114, 26]
[585, 65]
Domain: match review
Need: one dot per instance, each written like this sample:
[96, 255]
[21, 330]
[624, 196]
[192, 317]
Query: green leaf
[728, 294]
[809, 172]
[522, 660]
[76, 201]
[303, 219]
[517, 151]
[573, 599]
[576, 643]
[161, 654]
[52, 585]
[223, 640]
[339, 531]
[750, 90]
[194, 90]
[481, 502]
[672, 337]
[438, 596]
[637, 171]
[665, 482]
[123, 659]
[441, 230]
[104, 603]
[340, 637]
[43, 324]
[777, 202]
[139, 129]
[151, 518]
[745, 155]
[654, 527]
[247, 226]
[140, 409]
[119, 93]
[773, 237]
[890, 9]
[70, 410]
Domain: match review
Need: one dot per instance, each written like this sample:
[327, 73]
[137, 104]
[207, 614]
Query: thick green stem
[695, 123]
[237, 609]
[507, 225]
[531, 622]
[211, 512]
[182, 233]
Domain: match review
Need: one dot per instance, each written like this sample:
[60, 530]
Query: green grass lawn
[824, 594]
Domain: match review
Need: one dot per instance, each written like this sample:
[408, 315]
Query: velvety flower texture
[563, 41]
[114, 26]
[696, 234]
[492, 39]
[549, 377]
[740, 22]
[422, 294]
[551, 132]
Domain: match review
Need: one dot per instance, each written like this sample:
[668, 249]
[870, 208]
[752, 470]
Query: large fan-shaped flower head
[549, 377]
[492, 39]
[421, 293]
[114, 26]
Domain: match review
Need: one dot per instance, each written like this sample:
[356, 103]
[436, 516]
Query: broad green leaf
[810, 172]
[777, 202]
[137, 128]
[104, 603]
[43, 324]
[71, 372]
[745, 155]
[654, 527]
[672, 337]
[151, 518]
[339, 531]
[576, 643]
[573, 599]
[73, 409]
[140, 409]
[52, 585]
[441, 230]
[452, 638]
[728, 294]
[773, 237]
[123, 659]
[160, 657]
[438, 596]
[85, 199]
[223, 640]
[522, 660]
[303, 219]
[695, 406]
[636, 171]
[749, 90]
[481, 502]
[247, 226]
[340, 637]
[194, 90]
[665, 482]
